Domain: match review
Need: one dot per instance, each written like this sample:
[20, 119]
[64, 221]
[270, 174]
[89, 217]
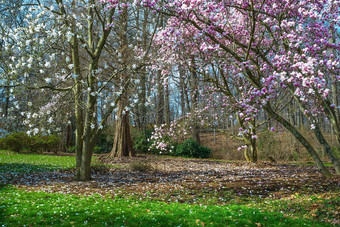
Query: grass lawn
[19, 207]
[24, 206]
[20, 163]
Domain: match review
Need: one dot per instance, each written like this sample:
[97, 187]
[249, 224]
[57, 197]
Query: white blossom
[35, 131]
[48, 80]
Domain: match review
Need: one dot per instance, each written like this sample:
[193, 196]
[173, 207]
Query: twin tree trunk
[300, 138]
[250, 152]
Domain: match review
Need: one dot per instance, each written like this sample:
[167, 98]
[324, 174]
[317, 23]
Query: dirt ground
[169, 177]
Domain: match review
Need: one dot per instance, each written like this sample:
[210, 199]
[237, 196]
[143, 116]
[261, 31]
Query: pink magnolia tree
[276, 46]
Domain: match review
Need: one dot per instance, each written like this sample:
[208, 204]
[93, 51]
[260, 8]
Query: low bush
[140, 165]
[14, 142]
[141, 144]
[71, 149]
[192, 149]
[20, 142]
[105, 143]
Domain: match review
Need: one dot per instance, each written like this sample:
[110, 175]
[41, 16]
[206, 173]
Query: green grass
[18, 207]
[323, 206]
[311, 164]
[18, 163]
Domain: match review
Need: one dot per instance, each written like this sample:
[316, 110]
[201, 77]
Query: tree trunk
[301, 120]
[321, 139]
[291, 114]
[186, 94]
[7, 102]
[250, 152]
[141, 118]
[160, 100]
[85, 167]
[246, 154]
[300, 138]
[328, 149]
[335, 89]
[122, 144]
[253, 146]
[77, 90]
[253, 150]
[79, 134]
[194, 101]
[167, 105]
[182, 90]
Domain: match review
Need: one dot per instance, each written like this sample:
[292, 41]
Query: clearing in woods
[294, 191]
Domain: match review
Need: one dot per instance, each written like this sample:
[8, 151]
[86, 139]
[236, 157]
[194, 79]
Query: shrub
[71, 149]
[105, 142]
[141, 143]
[140, 165]
[192, 149]
[336, 151]
[44, 144]
[98, 150]
[14, 142]
[20, 141]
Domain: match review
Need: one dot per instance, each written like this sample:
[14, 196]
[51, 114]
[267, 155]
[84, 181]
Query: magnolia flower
[50, 120]
[35, 131]
[48, 80]
[48, 65]
[69, 35]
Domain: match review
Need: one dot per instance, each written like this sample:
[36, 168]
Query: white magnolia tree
[70, 49]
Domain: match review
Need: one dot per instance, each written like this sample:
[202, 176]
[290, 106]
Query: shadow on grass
[25, 168]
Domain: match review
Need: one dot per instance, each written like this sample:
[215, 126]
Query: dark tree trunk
[122, 144]
[160, 100]
[182, 89]
[167, 105]
[6, 103]
[141, 118]
[194, 101]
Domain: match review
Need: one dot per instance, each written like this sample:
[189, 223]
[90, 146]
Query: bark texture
[122, 144]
